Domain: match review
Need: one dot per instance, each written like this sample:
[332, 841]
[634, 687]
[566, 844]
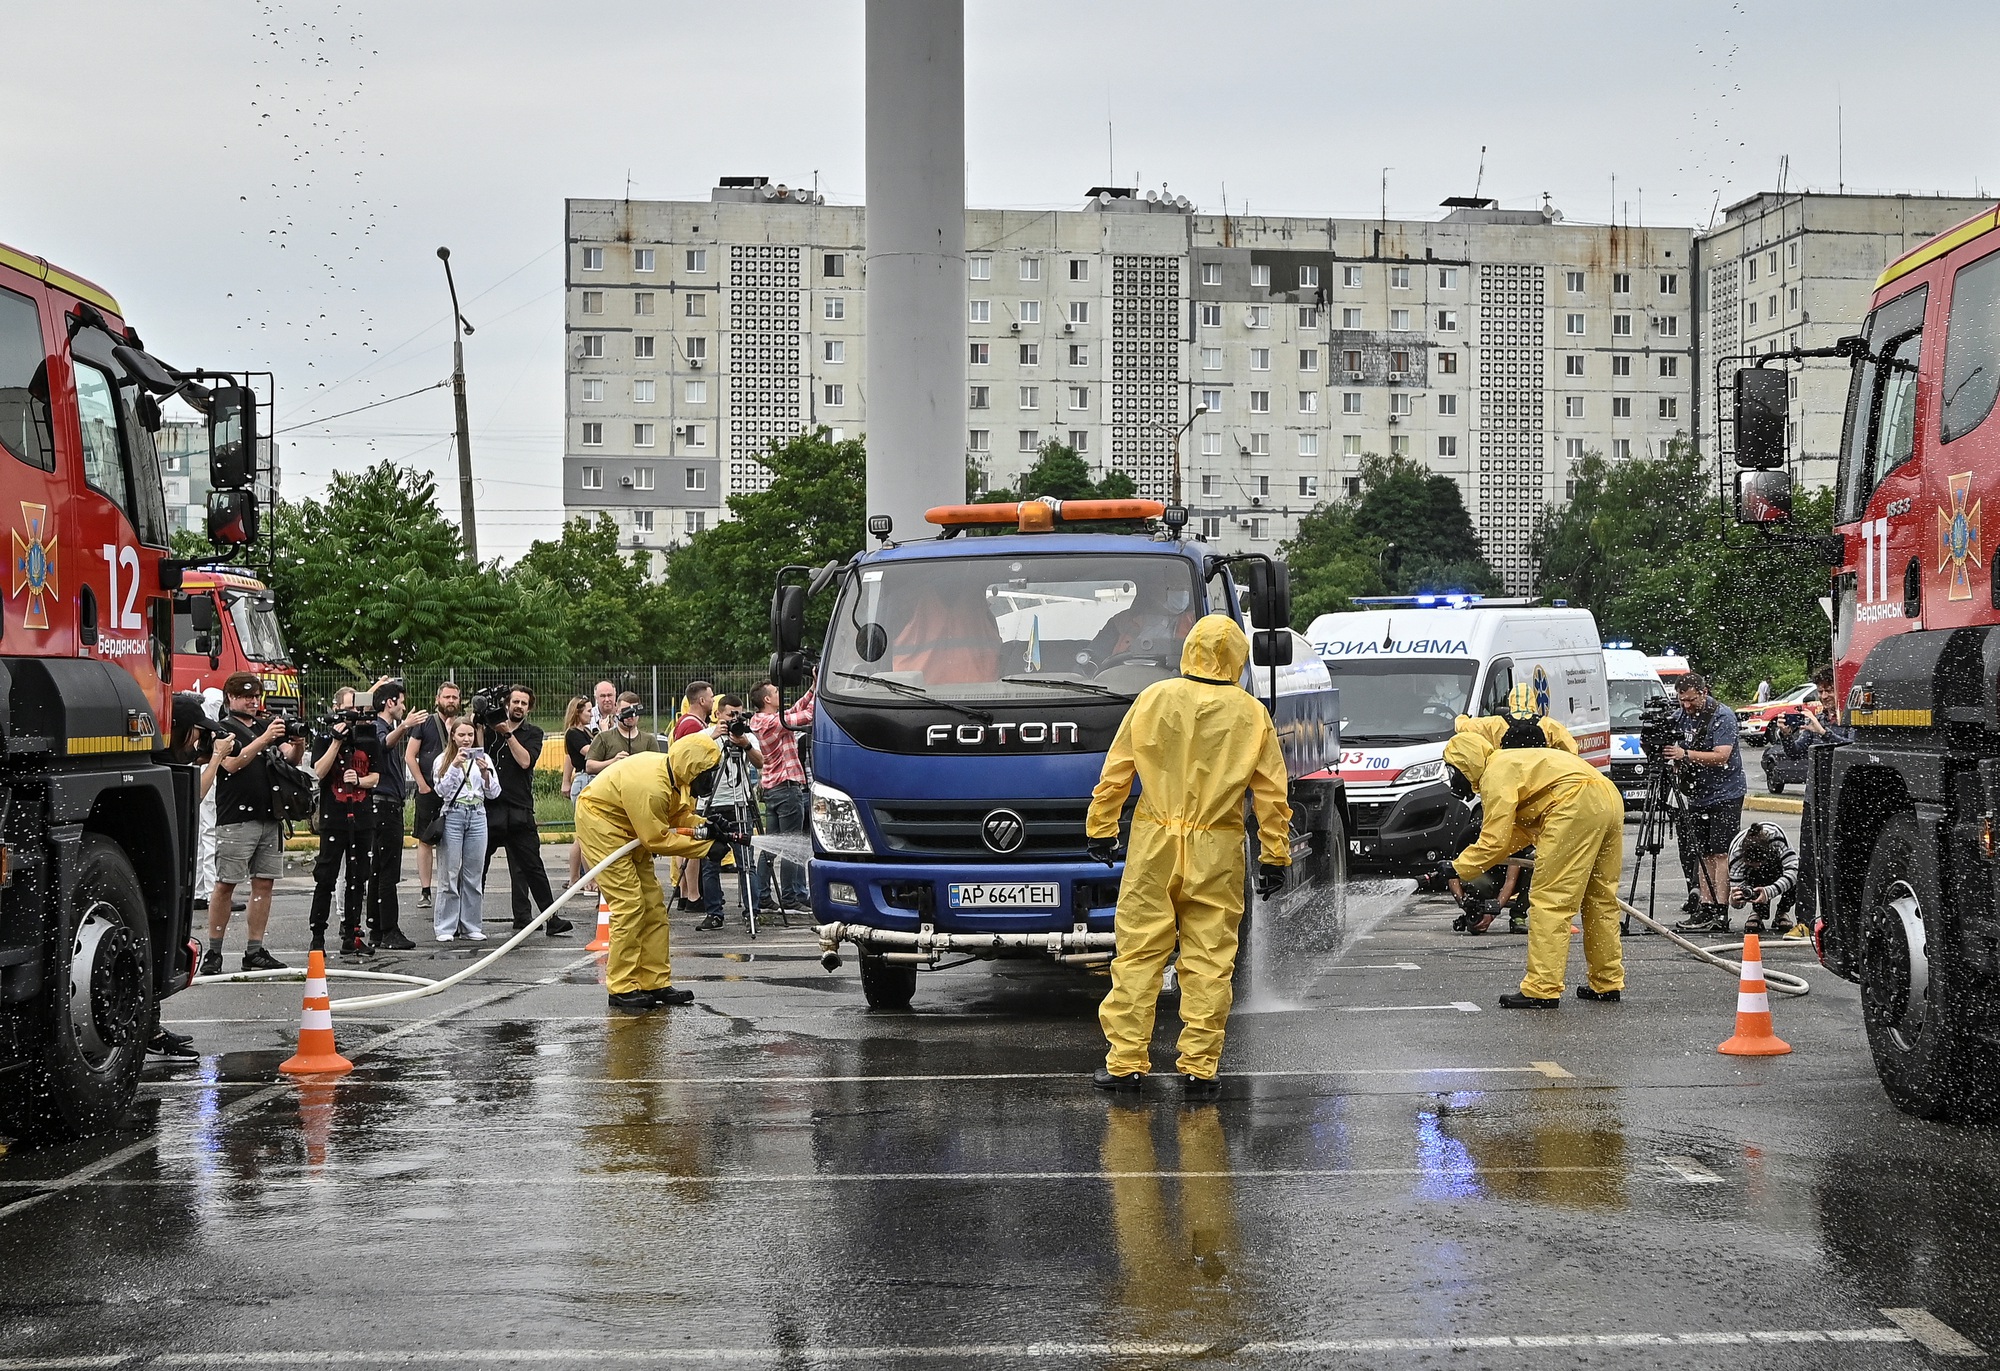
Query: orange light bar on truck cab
[1041, 516]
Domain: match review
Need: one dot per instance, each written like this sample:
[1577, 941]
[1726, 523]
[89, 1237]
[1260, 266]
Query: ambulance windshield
[1397, 700]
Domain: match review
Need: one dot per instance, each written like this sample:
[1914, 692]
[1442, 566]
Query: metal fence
[658, 685]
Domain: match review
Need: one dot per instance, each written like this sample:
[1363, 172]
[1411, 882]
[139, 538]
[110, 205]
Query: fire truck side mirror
[1763, 497]
[232, 439]
[201, 628]
[232, 517]
[1762, 407]
[788, 618]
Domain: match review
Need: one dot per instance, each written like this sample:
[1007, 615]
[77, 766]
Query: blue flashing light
[1620, 643]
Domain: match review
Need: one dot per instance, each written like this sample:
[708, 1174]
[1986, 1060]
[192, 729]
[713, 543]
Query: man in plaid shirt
[784, 782]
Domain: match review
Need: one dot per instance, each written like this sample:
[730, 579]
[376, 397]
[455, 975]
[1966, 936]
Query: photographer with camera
[344, 760]
[620, 736]
[783, 777]
[419, 755]
[1799, 733]
[196, 740]
[730, 805]
[393, 725]
[1764, 874]
[1709, 772]
[515, 745]
[249, 838]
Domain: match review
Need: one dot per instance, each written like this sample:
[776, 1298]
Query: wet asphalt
[1399, 1174]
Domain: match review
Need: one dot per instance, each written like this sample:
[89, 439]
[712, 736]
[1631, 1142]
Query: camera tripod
[1662, 808]
[745, 823]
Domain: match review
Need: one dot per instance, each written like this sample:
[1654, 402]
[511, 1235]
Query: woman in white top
[464, 779]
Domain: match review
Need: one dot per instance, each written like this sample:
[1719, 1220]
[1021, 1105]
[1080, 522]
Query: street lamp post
[458, 404]
[1180, 433]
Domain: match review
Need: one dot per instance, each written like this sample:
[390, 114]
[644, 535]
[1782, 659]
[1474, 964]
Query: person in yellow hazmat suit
[1521, 724]
[1575, 819]
[1195, 745]
[649, 796]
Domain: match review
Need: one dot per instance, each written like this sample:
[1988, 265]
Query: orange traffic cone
[602, 942]
[1754, 1037]
[317, 1055]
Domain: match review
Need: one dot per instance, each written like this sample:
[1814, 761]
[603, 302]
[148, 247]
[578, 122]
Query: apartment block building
[1260, 357]
[1797, 270]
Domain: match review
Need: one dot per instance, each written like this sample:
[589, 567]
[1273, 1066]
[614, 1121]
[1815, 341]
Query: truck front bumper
[903, 909]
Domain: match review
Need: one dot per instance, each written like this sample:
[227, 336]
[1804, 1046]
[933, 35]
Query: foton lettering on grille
[998, 735]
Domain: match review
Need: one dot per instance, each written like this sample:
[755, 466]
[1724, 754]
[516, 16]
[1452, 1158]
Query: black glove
[1270, 880]
[1103, 850]
[1446, 873]
[715, 830]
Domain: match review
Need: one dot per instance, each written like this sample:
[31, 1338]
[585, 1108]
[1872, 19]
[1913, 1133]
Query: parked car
[1752, 721]
[1781, 771]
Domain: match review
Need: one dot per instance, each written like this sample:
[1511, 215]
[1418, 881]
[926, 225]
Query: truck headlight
[1422, 771]
[836, 821]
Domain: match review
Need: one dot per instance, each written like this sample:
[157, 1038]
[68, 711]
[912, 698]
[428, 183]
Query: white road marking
[1015, 1352]
[1934, 1333]
[1689, 1171]
[1552, 1071]
[1456, 1006]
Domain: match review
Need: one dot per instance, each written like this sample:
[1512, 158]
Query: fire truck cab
[96, 820]
[243, 635]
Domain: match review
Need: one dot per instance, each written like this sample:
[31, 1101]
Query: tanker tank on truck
[968, 690]
[96, 823]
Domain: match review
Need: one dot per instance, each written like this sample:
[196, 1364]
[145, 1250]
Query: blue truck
[968, 688]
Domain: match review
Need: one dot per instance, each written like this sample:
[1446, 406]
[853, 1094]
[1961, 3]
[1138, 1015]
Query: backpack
[1523, 730]
[291, 790]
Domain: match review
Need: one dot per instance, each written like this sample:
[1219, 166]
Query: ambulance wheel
[887, 984]
[95, 1010]
[1913, 996]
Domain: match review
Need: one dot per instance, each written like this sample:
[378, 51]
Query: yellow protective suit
[642, 795]
[1195, 744]
[1575, 820]
[1520, 700]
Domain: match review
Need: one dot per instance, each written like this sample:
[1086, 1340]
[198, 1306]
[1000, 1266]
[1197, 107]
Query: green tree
[1061, 474]
[717, 597]
[605, 594]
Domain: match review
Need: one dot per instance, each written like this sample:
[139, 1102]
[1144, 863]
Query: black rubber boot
[668, 996]
[1584, 992]
[1513, 1000]
[1201, 1087]
[634, 1001]
[1104, 1080]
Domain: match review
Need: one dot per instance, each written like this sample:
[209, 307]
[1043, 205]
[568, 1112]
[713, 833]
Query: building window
[1260, 359]
[1079, 268]
[1308, 445]
[697, 349]
[1260, 446]
[1308, 278]
[1621, 365]
[1079, 397]
[1621, 449]
[1350, 360]
[593, 435]
[593, 259]
[1079, 441]
[642, 435]
[642, 478]
[593, 302]
[1308, 402]
[1753, 269]
[1792, 300]
[642, 303]
[1210, 527]
[1573, 449]
[1211, 273]
[1350, 318]
[1027, 440]
[693, 521]
[1572, 406]
[1308, 359]
[1211, 359]
[1079, 354]
[695, 393]
[1670, 282]
[1261, 487]
[642, 347]
[1670, 366]
[1399, 404]
[697, 435]
[1211, 400]
[1031, 354]
[979, 440]
[1211, 487]
[1621, 283]
[1031, 397]
[1621, 407]
[1079, 311]
[833, 307]
[981, 311]
[1751, 317]
[697, 261]
[1308, 316]
[593, 392]
[591, 478]
[1211, 316]
[1670, 408]
[981, 354]
[1399, 362]
[1260, 277]
[1621, 326]
[1573, 364]
[1350, 445]
[1447, 363]
[1350, 487]
[1350, 277]
[1573, 325]
[642, 259]
[1350, 402]
[833, 350]
[696, 478]
[642, 392]
[1771, 260]
[1792, 253]
[1031, 268]
[1447, 278]
[1670, 326]
[1399, 445]
[1211, 444]
[1574, 281]
[1399, 319]
[1447, 321]
[979, 268]
[642, 521]
[1260, 316]
[1031, 311]
[833, 264]
[1447, 446]
[980, 397]
[1399, 278]
[1447, 404]
[1260, 402]
[834, 394]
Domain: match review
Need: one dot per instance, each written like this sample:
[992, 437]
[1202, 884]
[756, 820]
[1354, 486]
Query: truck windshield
[1399, 700]
[1011, 628]
[1628, 698]
[258, 631]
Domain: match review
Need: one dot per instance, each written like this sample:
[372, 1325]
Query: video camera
[1659, 726]
[627, 713]
[488, 707]
[362, 729]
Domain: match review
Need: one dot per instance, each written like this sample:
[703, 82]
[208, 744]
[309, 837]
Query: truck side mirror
[201, 620]
[1762, 405]
[788, 618]
[1763, 497]
[788, 669]
[232, 517]
[232, 438]
[1271, 647]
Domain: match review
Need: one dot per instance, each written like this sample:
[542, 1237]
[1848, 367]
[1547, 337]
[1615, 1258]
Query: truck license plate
[994, 895]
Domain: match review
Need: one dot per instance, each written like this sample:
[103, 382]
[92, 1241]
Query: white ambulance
[1407, 667]
[1633, 681]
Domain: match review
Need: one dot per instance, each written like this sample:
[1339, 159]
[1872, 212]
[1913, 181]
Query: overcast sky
[265, 185]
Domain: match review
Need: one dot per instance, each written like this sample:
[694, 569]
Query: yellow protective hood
[1521, 700]
[1468, 752]
[1216, 650]
[688, 757]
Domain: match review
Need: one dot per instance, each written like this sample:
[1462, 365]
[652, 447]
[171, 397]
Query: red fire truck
[244, 636]
[1903, 824]
[96, 823]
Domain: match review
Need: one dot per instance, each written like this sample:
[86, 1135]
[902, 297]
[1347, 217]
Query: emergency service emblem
[1541, 691]
[35, 564]
[1958, 537]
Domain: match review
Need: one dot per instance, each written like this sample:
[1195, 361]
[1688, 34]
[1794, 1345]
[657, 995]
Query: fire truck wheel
[887, 984]
[1930, 1062]
[100, 1006]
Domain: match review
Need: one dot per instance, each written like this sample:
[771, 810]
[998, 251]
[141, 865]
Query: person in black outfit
[344, 761]
[515, 744]
[394, 723]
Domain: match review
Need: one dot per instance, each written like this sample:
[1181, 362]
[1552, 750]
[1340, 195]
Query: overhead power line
[329, 418]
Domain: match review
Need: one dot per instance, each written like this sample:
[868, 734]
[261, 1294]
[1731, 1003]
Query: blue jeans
[460, 881]
[784, 812]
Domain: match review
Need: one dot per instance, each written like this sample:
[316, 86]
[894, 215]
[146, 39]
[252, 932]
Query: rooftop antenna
[1839, 144]
[1784, 170]
[1480, 179]
[1385, 194]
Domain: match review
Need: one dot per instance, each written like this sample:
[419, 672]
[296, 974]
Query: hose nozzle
[831, 961]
